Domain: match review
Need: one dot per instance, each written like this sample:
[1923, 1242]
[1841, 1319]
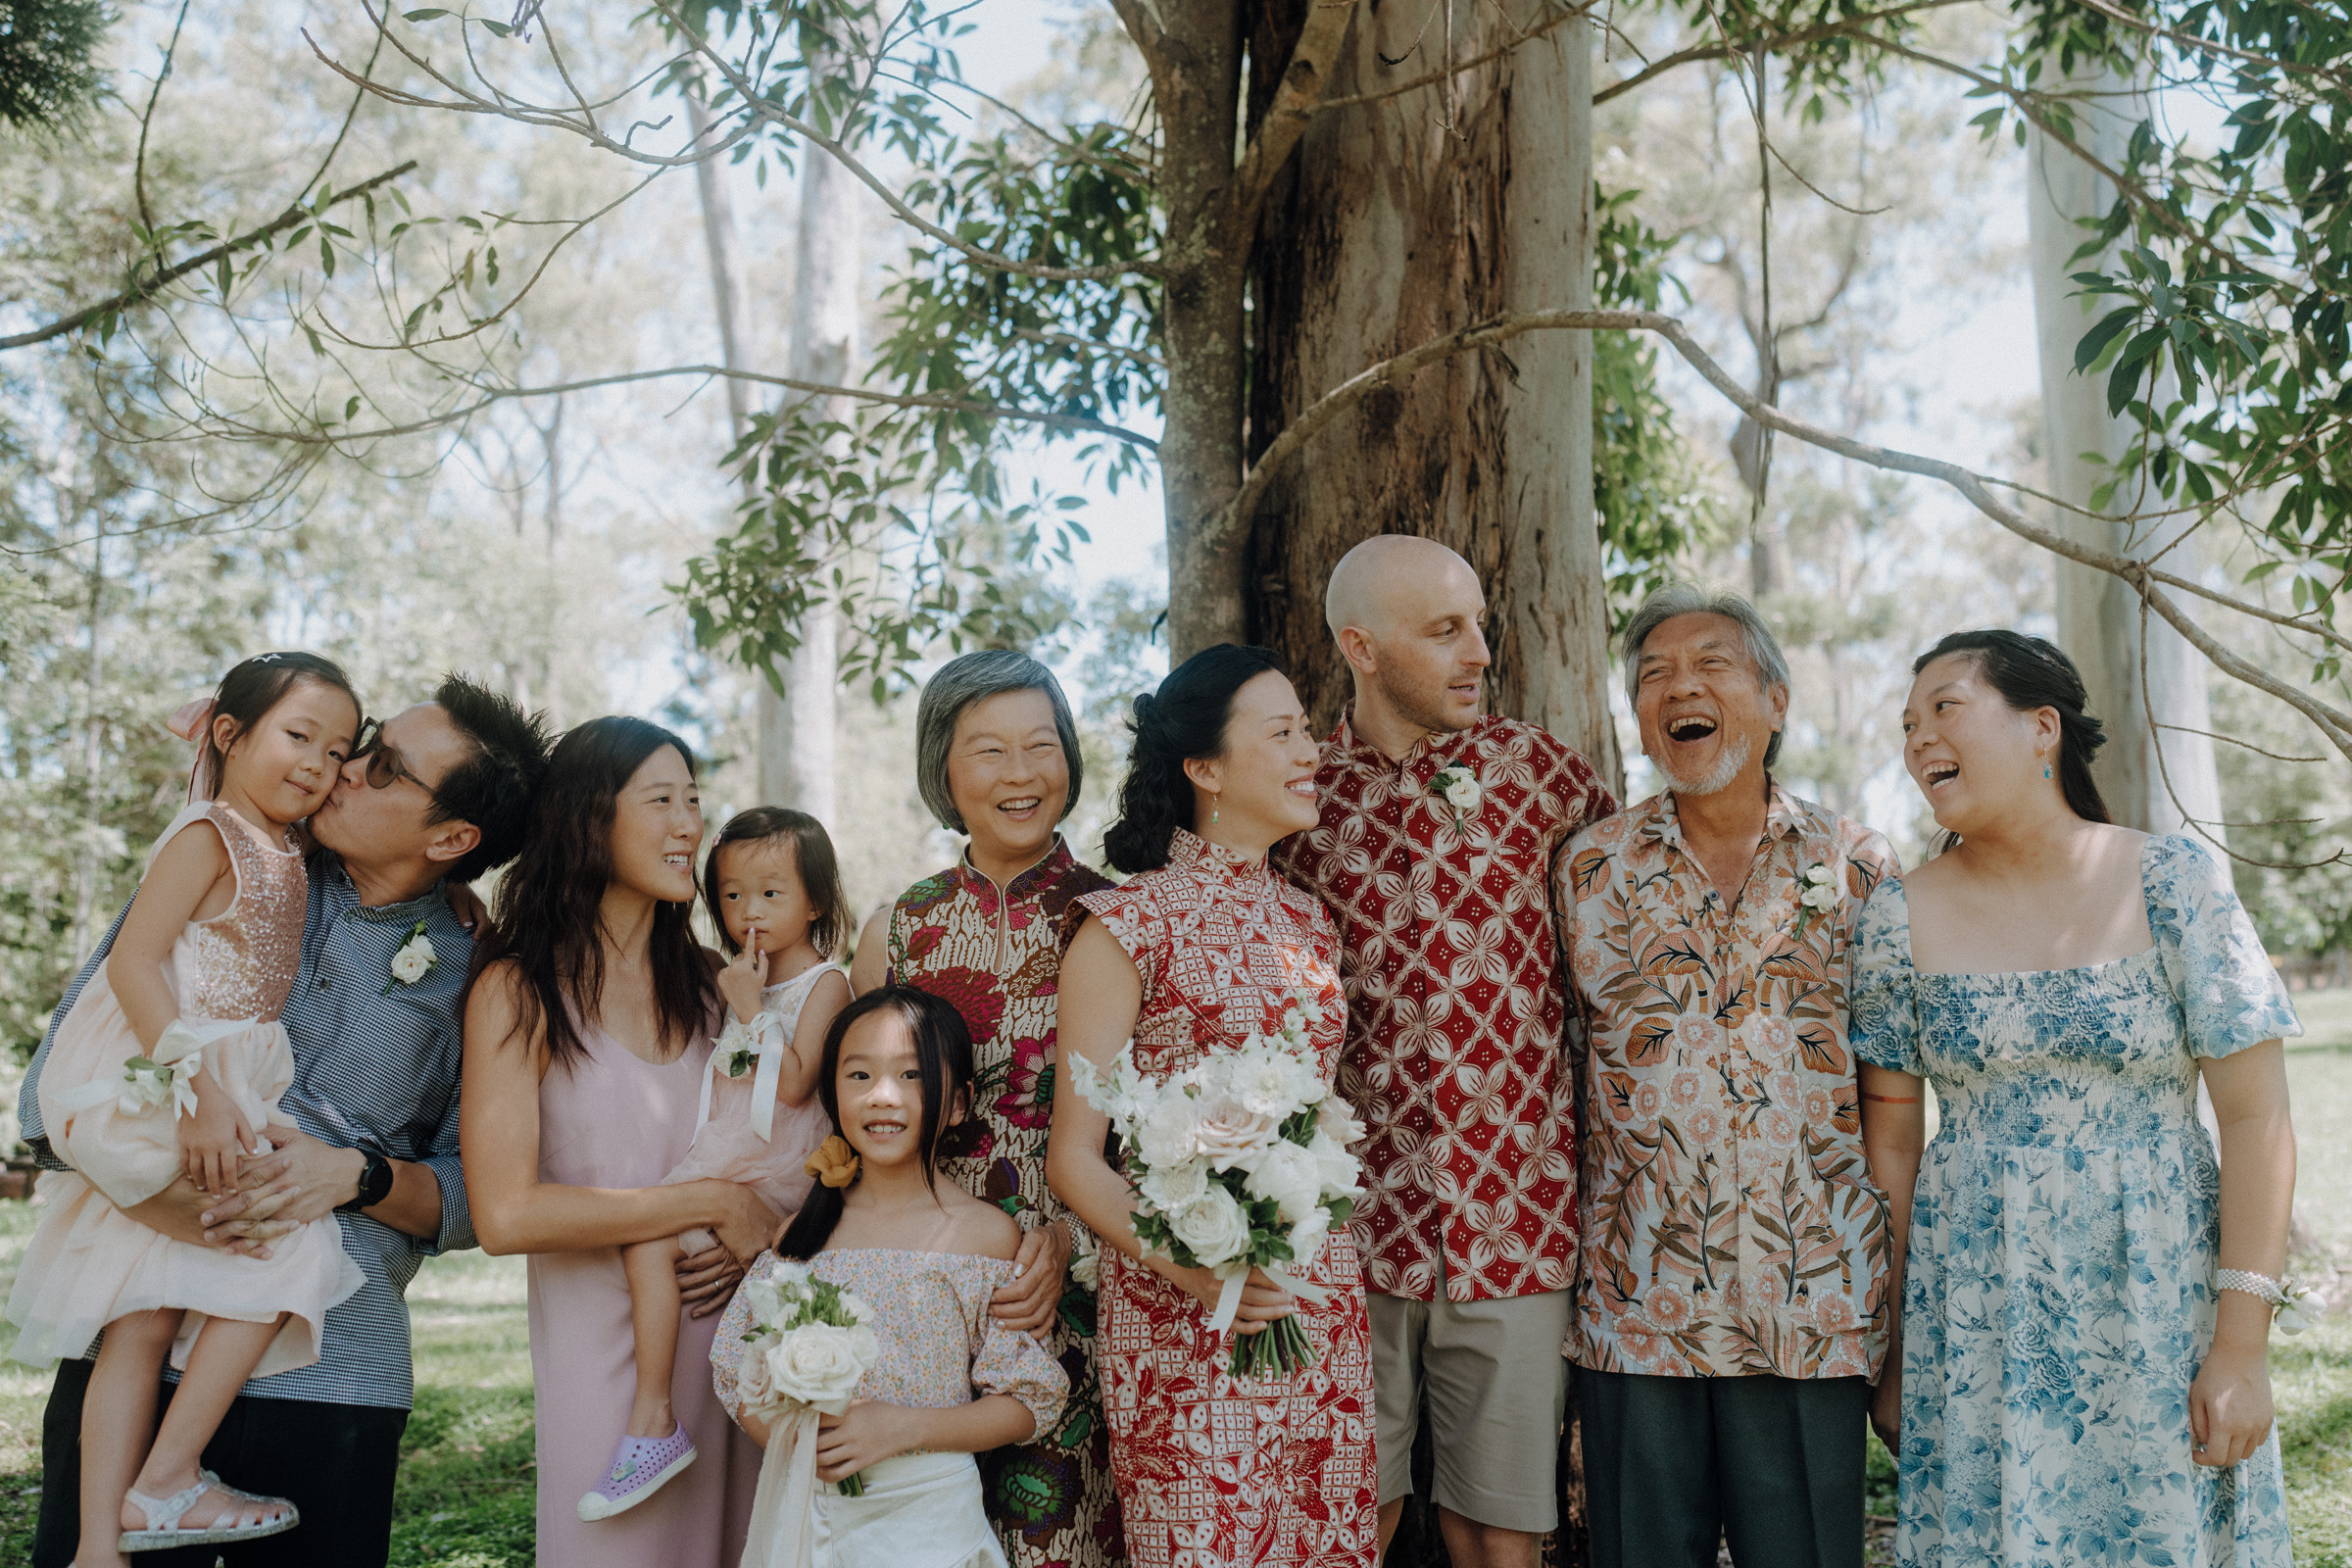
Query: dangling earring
[1212, 809]
[2045, 770]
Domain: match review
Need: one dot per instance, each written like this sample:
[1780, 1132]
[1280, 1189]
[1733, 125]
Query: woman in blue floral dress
[2083, 1332]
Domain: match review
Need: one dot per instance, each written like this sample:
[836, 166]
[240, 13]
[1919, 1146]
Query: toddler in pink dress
[171, 1061]
[774, 893]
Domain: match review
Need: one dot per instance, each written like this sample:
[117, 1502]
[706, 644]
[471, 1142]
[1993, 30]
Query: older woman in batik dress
[997, 756]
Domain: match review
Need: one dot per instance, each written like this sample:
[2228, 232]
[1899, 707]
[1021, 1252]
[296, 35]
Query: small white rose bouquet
[808, 1344]
[1240, 1162]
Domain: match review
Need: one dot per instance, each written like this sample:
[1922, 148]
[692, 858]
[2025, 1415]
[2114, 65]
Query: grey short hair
[974, 678]
[1688, 598]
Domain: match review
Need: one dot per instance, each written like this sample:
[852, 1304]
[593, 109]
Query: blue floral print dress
[2059, 1295]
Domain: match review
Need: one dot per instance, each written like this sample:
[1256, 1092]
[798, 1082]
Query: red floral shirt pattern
[1216, 1471]
[1456, 1002]
[1731, 1226]
[998, 957]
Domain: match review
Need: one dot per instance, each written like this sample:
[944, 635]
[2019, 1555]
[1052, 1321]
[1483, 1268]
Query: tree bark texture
[2146, 683]
[1195, 54]
[1401, 221]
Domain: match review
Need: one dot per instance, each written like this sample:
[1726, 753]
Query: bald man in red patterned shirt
[1434, 851]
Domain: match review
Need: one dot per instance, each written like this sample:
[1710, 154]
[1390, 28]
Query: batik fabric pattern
[1731, 1226]
[2058, 1295]
[1448, 954]
[1216, 1471]
[996, 954]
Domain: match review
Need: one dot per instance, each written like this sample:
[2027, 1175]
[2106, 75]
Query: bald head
[1407, 614]
[1389, 579]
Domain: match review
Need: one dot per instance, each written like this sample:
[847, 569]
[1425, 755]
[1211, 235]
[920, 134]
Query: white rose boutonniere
[414, 960]
[1816, 894]
[1459, 788]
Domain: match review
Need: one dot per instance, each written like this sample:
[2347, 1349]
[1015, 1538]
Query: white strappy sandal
[165, 1513]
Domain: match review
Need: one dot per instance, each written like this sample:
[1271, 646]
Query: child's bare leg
[223, 1358]
[117, 1422]
[652, 1270]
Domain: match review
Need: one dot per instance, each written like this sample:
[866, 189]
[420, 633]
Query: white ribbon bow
[764, 1036]
[167, 1076]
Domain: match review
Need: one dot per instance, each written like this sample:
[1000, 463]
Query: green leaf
[428, 14]
[2095, 342]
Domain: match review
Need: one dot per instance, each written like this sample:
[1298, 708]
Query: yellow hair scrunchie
[835, 1162]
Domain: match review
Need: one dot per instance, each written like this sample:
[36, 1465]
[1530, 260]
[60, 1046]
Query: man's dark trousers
[1772, 1466]
[335, 1462]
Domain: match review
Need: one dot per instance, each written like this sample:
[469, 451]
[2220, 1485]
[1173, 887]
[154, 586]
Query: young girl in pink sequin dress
[773, 890]
[172, 1062]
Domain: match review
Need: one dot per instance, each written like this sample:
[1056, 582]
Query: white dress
[742, 1134]
[89, 1263]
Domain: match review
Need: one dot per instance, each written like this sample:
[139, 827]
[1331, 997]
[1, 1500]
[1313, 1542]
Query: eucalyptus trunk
[1196, 82]
[1401, 221]
[793, 729]
[2146, 683]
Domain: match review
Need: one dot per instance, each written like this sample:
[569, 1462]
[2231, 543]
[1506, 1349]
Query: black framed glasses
[385, 763]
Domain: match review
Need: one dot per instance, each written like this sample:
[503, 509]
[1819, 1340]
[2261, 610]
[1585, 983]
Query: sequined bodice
[241, 962]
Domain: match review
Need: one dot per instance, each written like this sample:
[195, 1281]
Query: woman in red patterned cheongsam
[997, 758]
[1203, 949]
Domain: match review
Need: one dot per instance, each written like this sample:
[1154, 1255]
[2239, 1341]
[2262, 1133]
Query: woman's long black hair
[943, 1054]
[2029, 673]
[1183, 721]
[551, 904]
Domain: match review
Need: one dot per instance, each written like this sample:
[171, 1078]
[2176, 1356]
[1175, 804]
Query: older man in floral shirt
[1435, 853]
[1735, 1260]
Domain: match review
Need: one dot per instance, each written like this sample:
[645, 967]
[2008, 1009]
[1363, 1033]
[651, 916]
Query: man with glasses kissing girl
[430, 798]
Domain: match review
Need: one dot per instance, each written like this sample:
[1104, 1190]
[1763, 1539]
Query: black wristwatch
[375, 1183]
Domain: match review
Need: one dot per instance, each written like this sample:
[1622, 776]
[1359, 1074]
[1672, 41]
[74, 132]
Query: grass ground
[467, 1490]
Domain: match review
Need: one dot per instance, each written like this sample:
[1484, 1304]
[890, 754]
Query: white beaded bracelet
[2290, 1305]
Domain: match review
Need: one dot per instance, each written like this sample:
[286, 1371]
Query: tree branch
[761, 109]
[141, 291]
[2145, 580]
[1286, 118]
[936, 402]
[1772, 43]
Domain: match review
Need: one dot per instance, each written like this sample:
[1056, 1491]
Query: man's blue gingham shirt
[370, 1070]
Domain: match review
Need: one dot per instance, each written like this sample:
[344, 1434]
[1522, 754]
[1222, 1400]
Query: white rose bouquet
[1241, 1162]
[807, 1347]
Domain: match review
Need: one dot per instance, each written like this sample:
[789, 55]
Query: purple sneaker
[640, 1466]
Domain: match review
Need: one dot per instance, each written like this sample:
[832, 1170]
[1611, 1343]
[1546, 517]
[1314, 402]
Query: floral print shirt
[1449, 960]
[1731, 1226]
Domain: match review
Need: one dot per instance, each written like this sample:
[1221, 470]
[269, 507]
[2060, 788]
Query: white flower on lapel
[1819, 893]
[413, 961]
[1459, 788]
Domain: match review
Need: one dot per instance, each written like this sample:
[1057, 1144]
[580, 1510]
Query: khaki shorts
[1497, 1391]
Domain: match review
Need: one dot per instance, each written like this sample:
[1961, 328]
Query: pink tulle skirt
[89, 1263]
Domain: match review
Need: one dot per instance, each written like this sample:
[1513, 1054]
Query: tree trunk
[1399, 222]
[2146, 684]
[794, 729]
[1196, 74]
